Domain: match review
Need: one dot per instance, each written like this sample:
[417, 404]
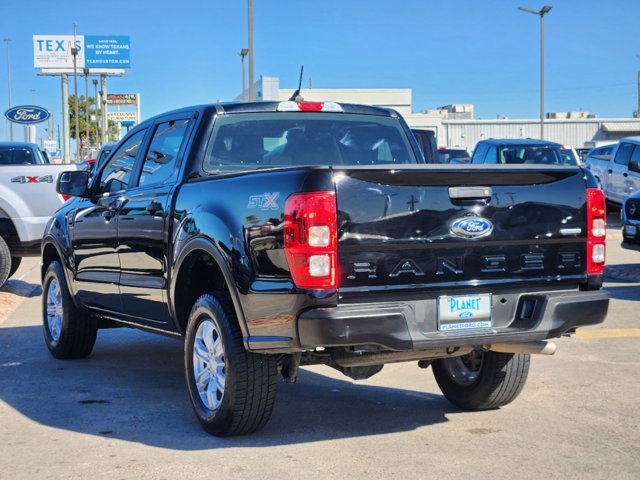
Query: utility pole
[8, 41]
[251, 92]
[542, 12]
[74, 52]
[105, 121]
[86, 104]
[243, 53]
[65, 119]
[95, 99]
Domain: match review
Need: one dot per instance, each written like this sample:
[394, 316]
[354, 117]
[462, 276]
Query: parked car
[104, 152]
[427, 142]
[630, 216]
[278, 234]
[453, 155]
[28, 198]
[619, 171]
[523, 151]
[583, 153]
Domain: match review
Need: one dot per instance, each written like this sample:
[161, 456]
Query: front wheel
[232, 391]
[482, 380]
[5, 262]
[68, 333]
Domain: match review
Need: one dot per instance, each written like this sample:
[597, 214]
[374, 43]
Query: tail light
[310, 239]
[596, 231]
[291, 106]
[65, 197]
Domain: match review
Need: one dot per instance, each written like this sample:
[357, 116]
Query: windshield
[543, 155]
[446, 155]
[268, 140]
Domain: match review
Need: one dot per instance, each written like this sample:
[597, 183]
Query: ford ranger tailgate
[429, 228]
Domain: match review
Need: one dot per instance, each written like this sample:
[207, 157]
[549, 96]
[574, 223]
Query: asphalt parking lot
[124, 412]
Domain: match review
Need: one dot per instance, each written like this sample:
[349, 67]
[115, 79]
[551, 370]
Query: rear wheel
[5, 262]
[15, 264]
[232, 391]
[68, 333]
[482, 380]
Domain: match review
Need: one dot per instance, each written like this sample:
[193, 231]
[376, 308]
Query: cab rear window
[285, 139]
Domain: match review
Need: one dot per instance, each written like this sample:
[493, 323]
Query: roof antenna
[296, 97]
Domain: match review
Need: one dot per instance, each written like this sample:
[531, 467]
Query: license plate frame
[469, 312]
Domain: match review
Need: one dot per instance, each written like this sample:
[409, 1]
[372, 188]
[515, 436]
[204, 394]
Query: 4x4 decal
[28, 179]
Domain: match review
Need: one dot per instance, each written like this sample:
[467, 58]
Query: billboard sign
[122, 99]
[122, 116]
[54, 51]
[27, 114]
[107, 51]
[94, 51]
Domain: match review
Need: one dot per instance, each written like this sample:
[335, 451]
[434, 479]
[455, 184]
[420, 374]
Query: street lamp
[74, 52]
[250, 9]
[8, 41]
[95, 99]
[243, 53]
[541, 13]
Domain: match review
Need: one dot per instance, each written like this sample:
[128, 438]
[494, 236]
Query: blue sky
[484, 52]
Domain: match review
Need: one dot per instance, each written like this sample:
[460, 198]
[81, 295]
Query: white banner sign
[122, 116]
[54, 51]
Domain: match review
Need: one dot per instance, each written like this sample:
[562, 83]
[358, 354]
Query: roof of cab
[521, 141]
[258, 107]
[18, 145]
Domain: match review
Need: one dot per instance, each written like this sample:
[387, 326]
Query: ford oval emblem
[471, 227]
[27, 114]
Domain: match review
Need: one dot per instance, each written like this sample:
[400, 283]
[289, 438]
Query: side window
[623, 154]
[479, 153]
[117, 173]
[492, 155]
[160, 161]
[635, 156]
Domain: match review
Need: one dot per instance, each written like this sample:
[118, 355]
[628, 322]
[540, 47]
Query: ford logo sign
[27, 114]
[471, 227]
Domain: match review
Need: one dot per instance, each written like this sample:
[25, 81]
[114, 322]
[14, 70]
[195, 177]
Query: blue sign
[27, 114]
[106, 51]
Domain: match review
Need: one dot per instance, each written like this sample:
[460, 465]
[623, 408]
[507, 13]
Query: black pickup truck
[274, 235]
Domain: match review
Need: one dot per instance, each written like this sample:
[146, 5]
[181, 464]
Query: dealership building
[455, 125]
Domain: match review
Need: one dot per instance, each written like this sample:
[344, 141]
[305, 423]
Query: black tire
[76, 334]
[15, 264]
[482, 380]
[246, 402]
[5, 262]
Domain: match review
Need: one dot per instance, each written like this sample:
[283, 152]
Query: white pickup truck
[619, 172]
[27, 199]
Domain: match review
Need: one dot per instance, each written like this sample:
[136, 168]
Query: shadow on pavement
[21, 288]
[624, 293]
[132, 388]
[626, 273]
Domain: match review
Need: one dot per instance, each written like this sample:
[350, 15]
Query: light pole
[95, 99]
[243, 53]
[251, 94]
[74, 52]
[541, 13]
[86, 105]
[8, 41]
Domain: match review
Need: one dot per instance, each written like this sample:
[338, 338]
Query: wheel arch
[202, 266]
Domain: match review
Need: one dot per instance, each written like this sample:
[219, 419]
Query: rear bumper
[413, 325]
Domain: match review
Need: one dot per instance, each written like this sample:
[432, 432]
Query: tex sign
[54, 51]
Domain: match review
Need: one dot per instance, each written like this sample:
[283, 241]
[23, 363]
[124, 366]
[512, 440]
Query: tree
[83, 105]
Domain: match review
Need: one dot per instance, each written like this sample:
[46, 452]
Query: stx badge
[266, 201]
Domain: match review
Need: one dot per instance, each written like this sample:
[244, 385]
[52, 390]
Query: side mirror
[74, 183]
[634, 166]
